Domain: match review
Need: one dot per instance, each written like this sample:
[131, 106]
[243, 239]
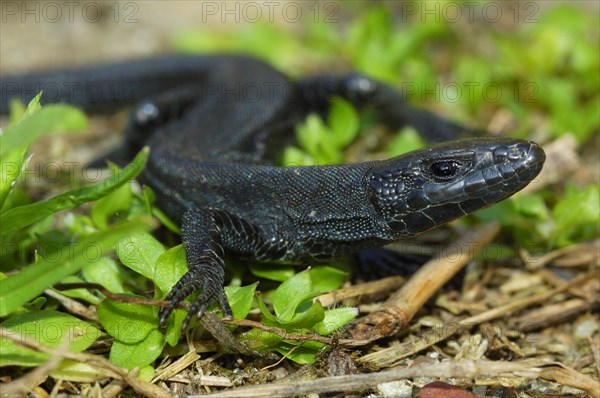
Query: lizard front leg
[205, 233]
[201, 235]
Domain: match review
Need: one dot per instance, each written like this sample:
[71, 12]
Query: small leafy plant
[322, 142]
[26, 312]
[297, 312]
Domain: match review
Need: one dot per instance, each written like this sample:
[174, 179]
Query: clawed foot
[191, 282]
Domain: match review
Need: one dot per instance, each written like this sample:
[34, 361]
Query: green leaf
[49, 328]
[265, 311]
[149, 197]
[174, 323]
[17, 109]
[81, 294]
[310, 132]
[127, 322]
[50, 119]
[274, 272]
[328, 152]
[30, 282]
[140, 354]
[35, 304]
[334, 320]
[106, 273]
[318, 140]
[78, 372]
[23, 216]
[119, 200]
[531, 206]
[170, 267]
[305, 317]
[240, 299]
[304, 354]
[293, 156]
[405, 141]
[14, 355]
[140, 252]
[343, 121]
[323, 142]
[14, 161]
[290, 299]
[503, 212]
[260, 340]
[11, 168]
[573, 213]
[19, 309]
[33, 106]
[325, 278]
[18, 196]
[290, 294]
[496, 252]
[75, 224]
[146, 373]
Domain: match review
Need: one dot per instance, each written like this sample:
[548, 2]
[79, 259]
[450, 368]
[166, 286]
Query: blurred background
[503, 65]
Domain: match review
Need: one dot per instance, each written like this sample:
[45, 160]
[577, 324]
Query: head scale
[429, 187]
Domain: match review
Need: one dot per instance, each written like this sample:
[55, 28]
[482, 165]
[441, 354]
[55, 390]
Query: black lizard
[213, 121]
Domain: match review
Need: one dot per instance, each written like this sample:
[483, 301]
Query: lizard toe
[182, 289]
[227, 312]
[202, 302]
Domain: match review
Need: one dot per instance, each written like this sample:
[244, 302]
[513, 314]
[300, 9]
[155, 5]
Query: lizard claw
[191, 282]
[204, 301]
[183, 288]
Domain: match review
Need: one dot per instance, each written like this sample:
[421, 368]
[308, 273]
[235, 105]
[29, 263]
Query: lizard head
[428, 187]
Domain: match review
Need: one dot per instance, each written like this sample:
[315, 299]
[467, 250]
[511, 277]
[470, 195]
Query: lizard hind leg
[146, 119]
[389, 105]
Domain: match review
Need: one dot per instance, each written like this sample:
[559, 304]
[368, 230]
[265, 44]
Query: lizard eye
[445, 170]
[146, 113]
[360, 88]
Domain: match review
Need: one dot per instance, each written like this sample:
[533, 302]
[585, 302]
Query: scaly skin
[211, 136]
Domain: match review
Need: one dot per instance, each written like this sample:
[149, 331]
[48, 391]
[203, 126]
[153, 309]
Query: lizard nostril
[517, 152]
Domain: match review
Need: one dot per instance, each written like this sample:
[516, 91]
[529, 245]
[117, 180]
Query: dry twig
[399, 309]
[468, 369]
